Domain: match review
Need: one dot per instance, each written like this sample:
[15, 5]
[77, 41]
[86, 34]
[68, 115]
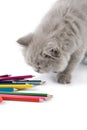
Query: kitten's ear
[24, 41]
[52, 52]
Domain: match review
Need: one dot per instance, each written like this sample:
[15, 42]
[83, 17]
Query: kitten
[60, 42]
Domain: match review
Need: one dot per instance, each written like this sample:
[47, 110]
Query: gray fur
[60, 42]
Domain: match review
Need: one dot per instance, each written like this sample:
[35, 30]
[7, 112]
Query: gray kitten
[60, 42]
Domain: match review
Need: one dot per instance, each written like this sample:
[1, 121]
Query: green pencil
[27, 94]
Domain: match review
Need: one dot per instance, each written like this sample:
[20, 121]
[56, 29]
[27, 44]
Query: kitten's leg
[85, 59]
[65, 76]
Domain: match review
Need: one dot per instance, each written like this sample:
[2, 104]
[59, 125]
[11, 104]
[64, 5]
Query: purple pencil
[6, 75]
[16, 77]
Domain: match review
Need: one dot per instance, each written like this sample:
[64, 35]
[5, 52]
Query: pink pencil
[22, 98]
[16, 77]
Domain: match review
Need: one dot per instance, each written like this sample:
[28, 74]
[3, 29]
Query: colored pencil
[21, 98]
[31, 82]
[10, 82]
[17, 86]
[5, 75]
[23, 82]
[41, 97]
[6, 89]
[16, 77]
[27, 94]
[6, 82]
[1, 99]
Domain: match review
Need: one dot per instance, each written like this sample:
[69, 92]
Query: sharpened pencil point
[33, 75]
[49, 97]
[43, 82]
[41, 100]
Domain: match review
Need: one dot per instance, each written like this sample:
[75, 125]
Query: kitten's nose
[38, 69]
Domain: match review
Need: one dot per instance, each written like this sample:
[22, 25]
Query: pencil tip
[49, 97]
[33, 75]
[41, 100]
[43, 82]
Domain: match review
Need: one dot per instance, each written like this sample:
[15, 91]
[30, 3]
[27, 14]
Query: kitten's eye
[46, 56]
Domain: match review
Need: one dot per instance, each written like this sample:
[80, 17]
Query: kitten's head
[44, 55]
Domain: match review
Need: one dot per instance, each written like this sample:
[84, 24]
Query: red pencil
[16, 77]
[21, 98]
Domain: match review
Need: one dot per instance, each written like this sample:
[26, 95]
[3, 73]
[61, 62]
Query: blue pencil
[23, 82]
[9, 82]
[6, 89]
[33, 82]
[5, 82]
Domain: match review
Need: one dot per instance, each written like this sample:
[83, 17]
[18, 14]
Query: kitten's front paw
[64, 78]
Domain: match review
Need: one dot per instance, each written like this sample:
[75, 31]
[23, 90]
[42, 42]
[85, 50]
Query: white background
[68, 108]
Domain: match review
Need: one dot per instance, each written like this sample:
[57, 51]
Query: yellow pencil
[17, 86]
